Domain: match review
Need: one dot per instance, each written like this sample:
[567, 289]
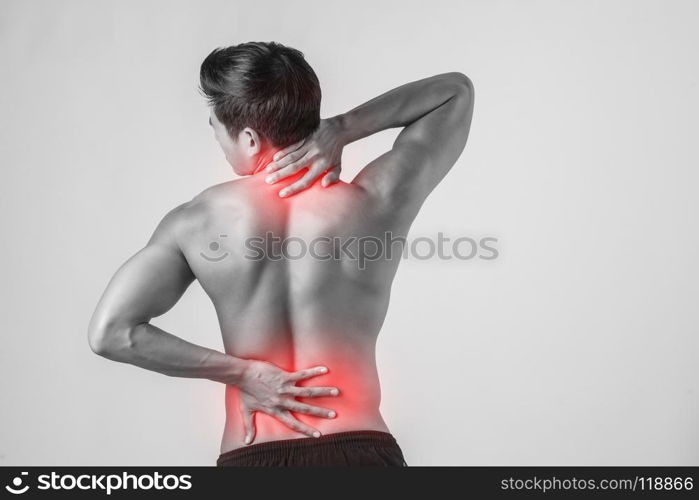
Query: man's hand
[321, 153]
[267, 388]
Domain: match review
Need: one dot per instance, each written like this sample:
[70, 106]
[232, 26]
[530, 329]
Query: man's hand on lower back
[321, 153]
[267, 388]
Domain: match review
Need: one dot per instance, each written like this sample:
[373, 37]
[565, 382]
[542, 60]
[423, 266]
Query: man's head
[263, 96]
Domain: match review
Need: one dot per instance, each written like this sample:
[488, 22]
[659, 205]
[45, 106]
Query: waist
[361, 447]
[269, 430]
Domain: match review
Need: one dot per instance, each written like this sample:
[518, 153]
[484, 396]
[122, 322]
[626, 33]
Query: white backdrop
[577, 346]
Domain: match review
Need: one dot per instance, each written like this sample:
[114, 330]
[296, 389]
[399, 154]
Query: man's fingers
[304, 182]
[310, 392]
[307, 373]
[317, 411]
[285, 151]
[287, 160]
[287, 171]
[288, 419]
[332, 176]
[249, 426]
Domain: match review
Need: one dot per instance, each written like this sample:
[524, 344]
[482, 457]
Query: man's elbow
[105, 337]
[462, 83]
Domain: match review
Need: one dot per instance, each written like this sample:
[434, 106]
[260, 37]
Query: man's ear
[250, 140]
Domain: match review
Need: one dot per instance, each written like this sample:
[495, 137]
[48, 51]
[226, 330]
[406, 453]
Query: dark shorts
[341, 448]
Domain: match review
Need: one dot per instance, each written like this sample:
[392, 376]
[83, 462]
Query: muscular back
[296, 309]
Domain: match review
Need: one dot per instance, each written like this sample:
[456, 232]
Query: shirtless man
[299, 334]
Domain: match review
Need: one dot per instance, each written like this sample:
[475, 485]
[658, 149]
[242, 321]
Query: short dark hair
[265, 86]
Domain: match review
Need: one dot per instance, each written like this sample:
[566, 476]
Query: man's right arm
[435, 114]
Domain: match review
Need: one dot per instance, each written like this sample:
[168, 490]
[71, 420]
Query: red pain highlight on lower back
[352, 373]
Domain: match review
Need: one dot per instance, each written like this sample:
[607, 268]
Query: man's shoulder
[193, 213]
[211, 199]
[216, 194]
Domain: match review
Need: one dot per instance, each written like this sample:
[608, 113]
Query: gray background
[577, 346]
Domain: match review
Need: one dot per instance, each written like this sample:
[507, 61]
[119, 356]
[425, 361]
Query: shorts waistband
[348, 438]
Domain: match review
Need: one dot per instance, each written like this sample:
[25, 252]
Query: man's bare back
[294, 312]
[299, 327]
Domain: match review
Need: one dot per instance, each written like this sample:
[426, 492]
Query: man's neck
[264, 159]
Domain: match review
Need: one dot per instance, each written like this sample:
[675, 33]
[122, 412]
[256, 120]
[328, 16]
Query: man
[299, 333]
